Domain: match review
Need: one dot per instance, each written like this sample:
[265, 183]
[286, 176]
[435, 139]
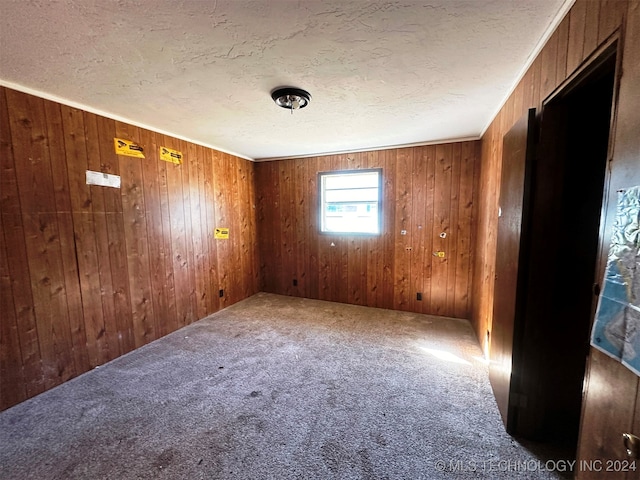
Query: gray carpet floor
[276, 387]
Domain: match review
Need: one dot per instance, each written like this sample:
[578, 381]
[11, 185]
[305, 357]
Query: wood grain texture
[89, 273]
[587, 25]
[587, 18]
[512, 200]
[612, 393]
[426, 190]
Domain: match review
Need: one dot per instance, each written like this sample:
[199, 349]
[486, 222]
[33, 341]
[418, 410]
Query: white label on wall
[103, 179]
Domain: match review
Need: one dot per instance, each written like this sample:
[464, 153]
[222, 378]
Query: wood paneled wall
[611, 402]
[426, 191]
[89, 273]
[588, 24]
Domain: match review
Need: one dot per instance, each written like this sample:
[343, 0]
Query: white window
[350, 201]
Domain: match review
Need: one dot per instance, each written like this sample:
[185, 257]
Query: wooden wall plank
[12, 373]
[154, 225]
[89, 272]
[117, 254]
[262, 177]
[236, 224]
[592, 19]
[222, 216]
[287, 210]
[274, 226]
[312, 239]
[24, 304]
[57, 155]
[12, 380]
[562, 52]
[253, 235]
[373, 262]
[465, 228]
[549, 57]
[210, 225]
[178, 237]
[518, 98]
[73, 292]
[189, 235]
[168, 282]
[9, 196]
[418, 223]
[451, 241]
[336, 281]
[243, 241]
[324, 241]
[612, 14]
[403, 245]
[301, 221]
[430, 156]
[197, 209]
[441, 225]
[575, 47]
[48, 286]
[387, 161]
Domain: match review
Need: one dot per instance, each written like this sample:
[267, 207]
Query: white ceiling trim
[373, 149]
[557, 19]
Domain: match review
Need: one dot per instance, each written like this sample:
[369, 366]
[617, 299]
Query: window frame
[321, 194]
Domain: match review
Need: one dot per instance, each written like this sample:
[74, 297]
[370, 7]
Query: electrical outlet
[295, 282]
[221, 293]
[419, 296]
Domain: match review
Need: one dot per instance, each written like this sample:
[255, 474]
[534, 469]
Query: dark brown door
[517, 158]
[546, 259]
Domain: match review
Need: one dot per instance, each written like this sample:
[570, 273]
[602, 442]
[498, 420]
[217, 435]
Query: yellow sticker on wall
[128, 148]
[221, 233]
[439, 254]
[169, 155]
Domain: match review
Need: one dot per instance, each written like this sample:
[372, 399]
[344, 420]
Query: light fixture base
[291, 98]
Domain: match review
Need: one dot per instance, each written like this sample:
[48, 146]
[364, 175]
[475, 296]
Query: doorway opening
[568, 182]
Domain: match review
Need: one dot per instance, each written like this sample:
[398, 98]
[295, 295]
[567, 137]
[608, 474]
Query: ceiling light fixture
[291, 98]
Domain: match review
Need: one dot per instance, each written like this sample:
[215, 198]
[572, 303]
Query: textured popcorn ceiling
[381, 73]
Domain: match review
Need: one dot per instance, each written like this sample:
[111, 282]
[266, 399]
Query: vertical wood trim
[453, 230]
[190, 290]
[429, 259]
[209, 195]
[314, 225]
[591, 28]
[577, 22]
[12, 380]
[136, 236]
[403, 244]
[418, 254]
[155, 233]
[562, 51]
